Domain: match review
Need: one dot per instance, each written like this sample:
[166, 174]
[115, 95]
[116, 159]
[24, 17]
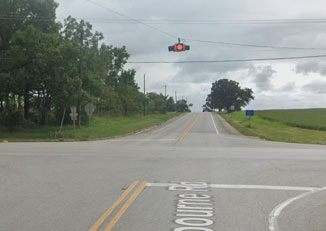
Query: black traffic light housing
[179, 47]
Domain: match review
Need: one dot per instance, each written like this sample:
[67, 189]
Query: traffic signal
[179, 47]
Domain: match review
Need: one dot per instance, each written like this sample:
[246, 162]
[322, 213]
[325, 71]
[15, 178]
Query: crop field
[275, 126]
[303, 118]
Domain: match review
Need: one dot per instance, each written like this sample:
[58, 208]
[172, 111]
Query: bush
[11, 118]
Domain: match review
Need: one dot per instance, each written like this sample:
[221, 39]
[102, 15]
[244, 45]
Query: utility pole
[176, 102]
[144, 95]
[165, 90]
[80, 74]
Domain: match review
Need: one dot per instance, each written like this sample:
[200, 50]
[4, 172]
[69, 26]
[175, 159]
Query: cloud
[317, 87]
[286, 101]
[311, 66]
[289, 87]
[262, 77]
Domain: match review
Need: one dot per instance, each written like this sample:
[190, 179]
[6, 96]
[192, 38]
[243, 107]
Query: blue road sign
[250, 113]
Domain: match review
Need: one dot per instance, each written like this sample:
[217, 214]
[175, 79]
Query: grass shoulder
[273, 130]
[100, 128]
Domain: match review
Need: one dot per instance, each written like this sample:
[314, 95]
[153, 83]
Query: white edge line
[227, 186]
[214, 123]
[279, 208]
[270, 187]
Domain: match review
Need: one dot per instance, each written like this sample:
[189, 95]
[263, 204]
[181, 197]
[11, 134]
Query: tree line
[48, 66]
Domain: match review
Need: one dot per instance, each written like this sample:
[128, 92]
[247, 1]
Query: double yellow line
[123, 209]
[183, 135]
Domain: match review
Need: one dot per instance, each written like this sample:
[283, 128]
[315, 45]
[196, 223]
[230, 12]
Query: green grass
[101, 127]
[303, 118]
[274, 130]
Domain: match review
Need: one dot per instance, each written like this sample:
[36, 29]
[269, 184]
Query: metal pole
[165, 90]
[63, 117]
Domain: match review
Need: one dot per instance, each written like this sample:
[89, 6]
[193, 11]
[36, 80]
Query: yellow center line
[114, 206]
[183, 135]
[126, 206]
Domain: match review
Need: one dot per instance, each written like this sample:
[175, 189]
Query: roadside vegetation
[100, 128]
[47, 67]
[272, 125]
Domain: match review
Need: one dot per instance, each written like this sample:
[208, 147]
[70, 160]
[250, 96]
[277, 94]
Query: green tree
[80, 35]
[183, 106]
[128, 92]
[170, 105]
[25, 13]
[14, 31]
[157, 103]
[226, 93]
[29, 50]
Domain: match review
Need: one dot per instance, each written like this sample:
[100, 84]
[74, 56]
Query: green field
[101, 127]
[274, 130]
[303, 118]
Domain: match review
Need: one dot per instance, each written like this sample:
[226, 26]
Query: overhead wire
[231, 60]
[133, 19]
[139, 21]
[207, 41]
[254, 45]
[183, 21]
[210, 61]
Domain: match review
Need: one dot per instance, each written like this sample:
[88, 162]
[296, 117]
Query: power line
[230, 60]
[211, 61]
[133, 19]
[130, 19]
[254, 45]
[180, 21]
[205, 41]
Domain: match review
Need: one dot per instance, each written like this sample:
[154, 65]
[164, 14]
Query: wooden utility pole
[80, 75]
[176, 101]
[144, 95]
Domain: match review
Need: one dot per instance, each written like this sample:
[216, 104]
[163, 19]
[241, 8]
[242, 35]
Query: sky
[281, 84]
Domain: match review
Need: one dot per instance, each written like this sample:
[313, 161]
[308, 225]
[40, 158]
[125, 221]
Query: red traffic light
[180, 47]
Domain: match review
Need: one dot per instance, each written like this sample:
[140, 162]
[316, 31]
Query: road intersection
[190, 174]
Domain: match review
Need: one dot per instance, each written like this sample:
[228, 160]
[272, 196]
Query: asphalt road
[187, 175]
